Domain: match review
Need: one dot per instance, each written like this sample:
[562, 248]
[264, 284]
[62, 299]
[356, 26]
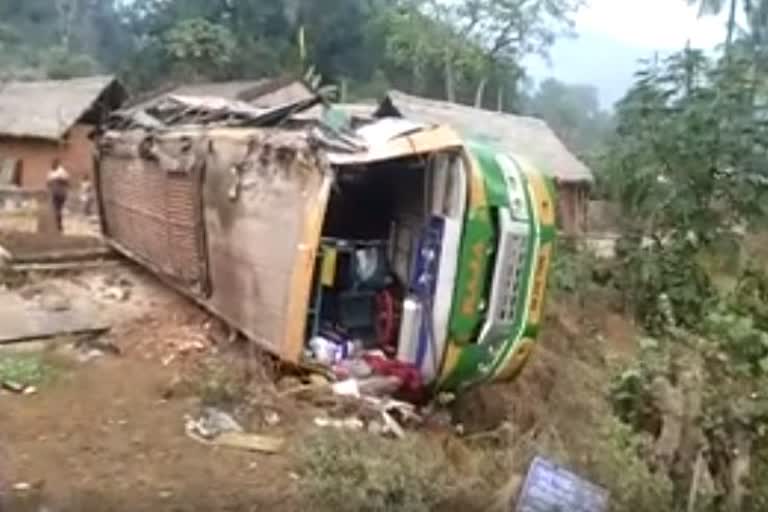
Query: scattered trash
[89, 355]
[391, 426]
[353, 369]
[117, 289]
[93, 347]
[18, 388]
[13, 386]
[346, 388]
[22, 487]
[410, 377]
[330, 352]
[211, 424]
[551, 487]
[380, 386]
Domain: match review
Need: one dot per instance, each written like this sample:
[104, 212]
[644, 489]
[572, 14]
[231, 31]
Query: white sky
[613, 35]
[652, 24]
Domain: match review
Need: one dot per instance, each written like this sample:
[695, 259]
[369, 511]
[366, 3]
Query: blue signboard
[551, 488]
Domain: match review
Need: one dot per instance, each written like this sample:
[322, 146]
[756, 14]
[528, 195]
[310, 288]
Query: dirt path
[103, 439]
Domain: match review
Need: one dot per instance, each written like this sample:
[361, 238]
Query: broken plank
[63, 266]
[22, 320]
[61, 256]
[250, 442]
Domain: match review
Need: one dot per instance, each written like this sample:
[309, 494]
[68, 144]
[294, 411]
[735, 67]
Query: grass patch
[347, 471]
[25, 369]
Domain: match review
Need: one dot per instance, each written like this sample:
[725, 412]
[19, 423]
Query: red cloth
[408, 374]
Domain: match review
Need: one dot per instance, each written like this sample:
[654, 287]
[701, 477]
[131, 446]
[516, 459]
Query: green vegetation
[26, 370]
[468, 50]
[352, 471]
[687, 164]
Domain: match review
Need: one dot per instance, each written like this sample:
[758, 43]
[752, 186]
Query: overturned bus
[394, 240]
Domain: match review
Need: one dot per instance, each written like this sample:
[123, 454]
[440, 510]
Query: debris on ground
[116, 288]
[219, 428]
[549, 486]
[211, 424]
[18, 388]
[345, 424]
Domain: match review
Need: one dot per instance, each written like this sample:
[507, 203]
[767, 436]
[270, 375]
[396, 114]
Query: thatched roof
[263, 93]
[228, 90]
[526, 136]
[48, 109]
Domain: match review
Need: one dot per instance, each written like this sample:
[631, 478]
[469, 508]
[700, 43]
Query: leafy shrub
[572, 269]
[666, 285]
[618, 464]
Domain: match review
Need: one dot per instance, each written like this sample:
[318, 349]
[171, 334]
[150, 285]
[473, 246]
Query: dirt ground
[104, 436]
[108, 435]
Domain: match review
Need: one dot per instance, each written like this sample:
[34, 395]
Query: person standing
[58, 187]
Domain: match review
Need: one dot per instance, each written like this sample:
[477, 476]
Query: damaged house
[45, 120]
[261, 93]
[526, 136]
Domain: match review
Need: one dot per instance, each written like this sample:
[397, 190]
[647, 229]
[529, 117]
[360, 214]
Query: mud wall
[36, 155]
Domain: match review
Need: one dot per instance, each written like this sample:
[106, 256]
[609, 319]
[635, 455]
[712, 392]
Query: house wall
[573, 201]
[37, 155]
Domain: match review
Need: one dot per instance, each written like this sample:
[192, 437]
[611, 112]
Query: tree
[756, 12]
[573, 112]
[471, 44]
[689, 169]
[507, 30]
[198, 48]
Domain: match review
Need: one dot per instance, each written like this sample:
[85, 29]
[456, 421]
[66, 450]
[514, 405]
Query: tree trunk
[500, 98]
[450, 91]
[740, 469]
[68, 12]
[480, 93]
[731, 27]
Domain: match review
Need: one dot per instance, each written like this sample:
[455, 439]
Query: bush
[617, 463]
[353, 471]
